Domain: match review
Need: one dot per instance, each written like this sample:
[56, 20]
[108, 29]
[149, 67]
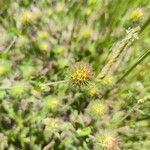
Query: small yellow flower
[107, 80]
[52, 103]
[28, 71]
[59, 7]
[80, 74]
[136, 15]
[43, 35]
[44, 46]
[2, 70]
[92, 90]
[86, 32]
[18, 89]
[5, 67]
[26, 17]
[96, 109]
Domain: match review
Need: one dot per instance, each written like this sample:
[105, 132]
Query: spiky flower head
[80, 74]
[106, 140]
[96, 109]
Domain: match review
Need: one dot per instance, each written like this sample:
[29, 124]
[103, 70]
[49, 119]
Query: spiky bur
[80, 74]
[106, 140]
[117, 51]
[96, 109]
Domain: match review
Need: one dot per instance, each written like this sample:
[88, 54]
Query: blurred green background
[39, 40]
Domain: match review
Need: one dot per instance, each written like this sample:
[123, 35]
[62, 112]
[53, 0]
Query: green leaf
[83, 132]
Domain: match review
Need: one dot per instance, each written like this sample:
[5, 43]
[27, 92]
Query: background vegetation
[48, 101]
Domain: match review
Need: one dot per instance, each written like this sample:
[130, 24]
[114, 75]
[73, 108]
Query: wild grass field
[74, 74]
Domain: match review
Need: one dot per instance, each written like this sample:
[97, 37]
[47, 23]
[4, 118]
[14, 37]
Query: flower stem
[53, 83]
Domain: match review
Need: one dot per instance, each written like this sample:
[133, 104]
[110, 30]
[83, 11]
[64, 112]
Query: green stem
[134, 65]
[44, 84]
[53, 83]
[9, 46]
